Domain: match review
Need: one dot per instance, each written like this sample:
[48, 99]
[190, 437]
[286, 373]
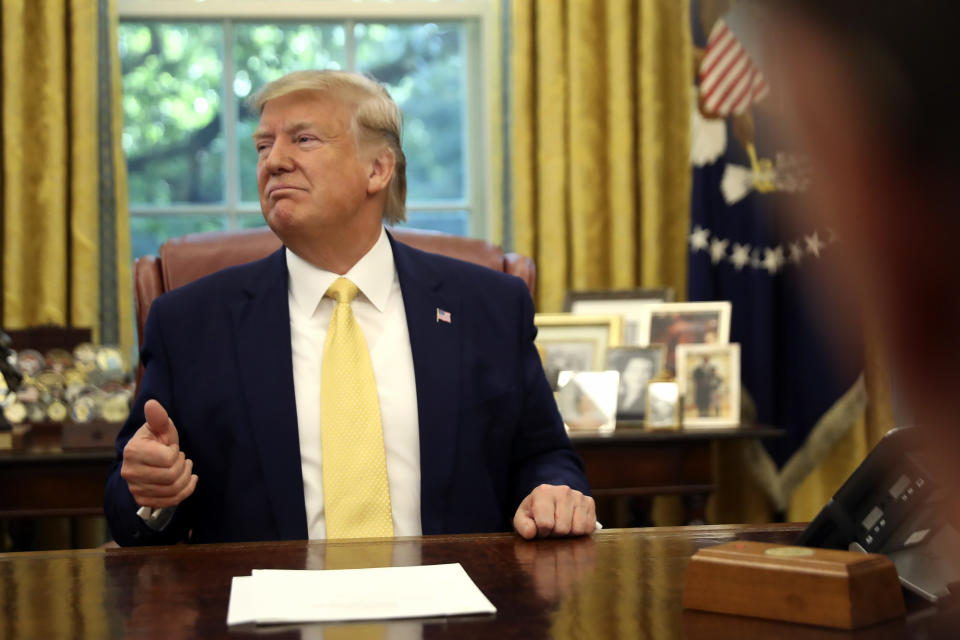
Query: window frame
[479, 17]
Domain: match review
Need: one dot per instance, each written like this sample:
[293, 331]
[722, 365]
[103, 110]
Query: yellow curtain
[599, 142]
[66, 246]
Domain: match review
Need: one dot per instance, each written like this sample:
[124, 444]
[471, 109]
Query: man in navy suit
[223, 443]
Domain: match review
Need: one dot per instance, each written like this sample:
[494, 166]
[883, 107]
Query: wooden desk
[616, 584]
[634, 462]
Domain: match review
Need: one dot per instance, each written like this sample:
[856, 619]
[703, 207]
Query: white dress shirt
[379, 311]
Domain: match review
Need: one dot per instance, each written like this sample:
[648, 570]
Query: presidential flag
[741, 249]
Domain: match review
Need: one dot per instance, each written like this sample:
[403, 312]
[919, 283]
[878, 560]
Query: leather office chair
[192, 256]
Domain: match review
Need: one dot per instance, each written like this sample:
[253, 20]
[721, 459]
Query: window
[188, 72]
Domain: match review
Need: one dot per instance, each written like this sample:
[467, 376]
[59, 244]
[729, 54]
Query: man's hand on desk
[556, 568]
[157, 472]
[555, 511]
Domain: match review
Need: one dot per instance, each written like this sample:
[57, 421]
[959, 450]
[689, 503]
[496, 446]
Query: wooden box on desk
[825, 587]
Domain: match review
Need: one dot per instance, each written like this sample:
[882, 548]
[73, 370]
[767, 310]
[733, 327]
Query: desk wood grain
[615, 584]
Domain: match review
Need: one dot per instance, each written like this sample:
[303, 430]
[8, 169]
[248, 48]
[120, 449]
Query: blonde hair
[375, 117]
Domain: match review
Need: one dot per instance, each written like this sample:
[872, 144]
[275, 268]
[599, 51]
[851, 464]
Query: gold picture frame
[569, 342]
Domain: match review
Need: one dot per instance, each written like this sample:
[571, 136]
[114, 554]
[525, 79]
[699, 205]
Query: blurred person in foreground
[869, 93]
[432, 359]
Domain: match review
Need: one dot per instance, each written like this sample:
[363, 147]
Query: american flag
[729, 80]
[443, 316]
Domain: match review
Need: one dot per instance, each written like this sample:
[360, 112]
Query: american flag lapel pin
[443, 316]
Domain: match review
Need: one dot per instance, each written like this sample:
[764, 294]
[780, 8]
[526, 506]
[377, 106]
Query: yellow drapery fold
[599, 143]
[65, 226]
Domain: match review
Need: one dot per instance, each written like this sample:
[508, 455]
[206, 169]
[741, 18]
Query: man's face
[311, 173]
[637, 372]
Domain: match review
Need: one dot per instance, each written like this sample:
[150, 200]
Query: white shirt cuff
[156, 519]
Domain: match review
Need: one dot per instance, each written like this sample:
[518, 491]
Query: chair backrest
[192, 256]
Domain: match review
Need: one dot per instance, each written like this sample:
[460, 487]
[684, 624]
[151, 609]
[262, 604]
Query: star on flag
[796, 253]
[718, 250]
[699, 239]
[770, 259]
[741, 256]
[773, 259]
[814, 244]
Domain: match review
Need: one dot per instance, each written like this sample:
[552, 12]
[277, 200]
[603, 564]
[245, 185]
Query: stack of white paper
[280, 596]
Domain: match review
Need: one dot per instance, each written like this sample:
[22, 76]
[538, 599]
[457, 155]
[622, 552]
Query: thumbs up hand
[157, 472]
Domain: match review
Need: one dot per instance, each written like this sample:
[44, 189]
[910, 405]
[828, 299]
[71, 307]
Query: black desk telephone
[892, 504]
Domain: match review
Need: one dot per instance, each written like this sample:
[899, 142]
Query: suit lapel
[262, 331]
[435, 345]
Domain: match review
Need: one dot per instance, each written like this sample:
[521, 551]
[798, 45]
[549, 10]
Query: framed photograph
[709, 377]
[663, 404]
[570, 342]
[588, 400]
[627, 303]
[677, 323]
[637, 366]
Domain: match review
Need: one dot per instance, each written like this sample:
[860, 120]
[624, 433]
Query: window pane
[250, 220]
[172, 133]
[264, 52]
[147, 232]
[423, 67]
[454, 222]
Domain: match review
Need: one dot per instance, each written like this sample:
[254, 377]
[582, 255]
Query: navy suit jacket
[217, 356]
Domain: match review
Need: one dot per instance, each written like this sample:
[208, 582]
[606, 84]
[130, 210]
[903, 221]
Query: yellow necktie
[356, 495]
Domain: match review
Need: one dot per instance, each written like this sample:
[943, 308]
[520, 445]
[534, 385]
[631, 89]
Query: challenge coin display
[15, 412]
[59, 360]
[37, 412]
[115, 407]
[81, 387]
[85, 353]
[85, 409]
[110, 361]
[30, 362]
[57, 411]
